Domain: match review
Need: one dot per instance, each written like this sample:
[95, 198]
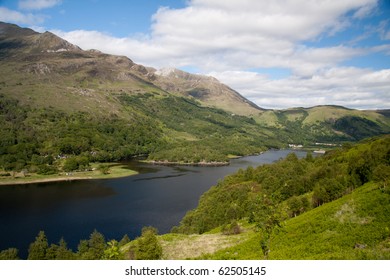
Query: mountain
[47, 56]
[57, 99]
[208, 90]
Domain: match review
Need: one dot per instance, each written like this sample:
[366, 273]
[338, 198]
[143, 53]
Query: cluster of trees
[290, 186]
[35, 139]
[168, 127]
[177, 129]
[352, 128]
[358, 128]
[145, 247]
[197, 133]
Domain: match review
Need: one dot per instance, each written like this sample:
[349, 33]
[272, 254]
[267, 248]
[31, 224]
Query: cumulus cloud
[8, 15]
[28, 18]
[230, 39]
[38, 4]
[345, 86]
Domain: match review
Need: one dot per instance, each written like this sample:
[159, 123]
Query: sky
[279, 54]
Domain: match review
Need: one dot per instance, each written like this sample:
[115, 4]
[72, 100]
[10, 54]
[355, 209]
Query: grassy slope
[180, 246]
[325, 123]
[355, 226]
[102, 88]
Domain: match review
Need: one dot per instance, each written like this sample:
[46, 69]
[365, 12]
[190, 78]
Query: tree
[38, 249]
[70, 164]
[268, 220]
[63, 252]
[381, 175]
[295, 205]
[232, 228]
[97, 244]
[104, 169]
[125, 239]
[309, 157]
[113, 251]
[9, 254]
[149, 247]
[82, 250]
[92, 249]
[60, 251]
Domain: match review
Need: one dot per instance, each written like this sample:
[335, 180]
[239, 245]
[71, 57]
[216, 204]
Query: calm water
[159, 196]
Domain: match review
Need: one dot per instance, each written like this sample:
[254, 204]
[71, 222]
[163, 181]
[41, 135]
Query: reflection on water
[159, 177]
[158, 196]
[46, 195]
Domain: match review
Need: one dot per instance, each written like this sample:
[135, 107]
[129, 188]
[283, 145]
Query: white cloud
[346, 86]
[8, 15]
[28, 18]
[229, 38]
[38, 4]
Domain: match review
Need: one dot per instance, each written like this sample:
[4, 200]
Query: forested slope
[320, 207]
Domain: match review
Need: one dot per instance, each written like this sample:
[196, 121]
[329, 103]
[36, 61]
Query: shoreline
[26, 181]
[116, 171]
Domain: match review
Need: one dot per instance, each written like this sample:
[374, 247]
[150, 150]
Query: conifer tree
[9, 254]
[38, 249]
[149, 247]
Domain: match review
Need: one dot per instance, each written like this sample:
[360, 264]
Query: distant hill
[327, 123]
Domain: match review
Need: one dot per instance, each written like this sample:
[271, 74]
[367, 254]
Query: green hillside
[62, 108]
[355, 226]
[326, 123]
[332, 207]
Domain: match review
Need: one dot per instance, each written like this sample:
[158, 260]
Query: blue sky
[119, 18]
[279, 54]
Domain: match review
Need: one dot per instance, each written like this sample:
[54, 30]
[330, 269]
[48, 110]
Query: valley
[65, 110]
[60, 103]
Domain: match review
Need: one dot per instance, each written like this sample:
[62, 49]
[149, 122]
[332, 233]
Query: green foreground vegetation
[332, 207]
[95, 248]
[336, 206]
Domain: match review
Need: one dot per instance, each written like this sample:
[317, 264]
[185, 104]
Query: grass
[115, 171]
[354, 227]
[197, 246]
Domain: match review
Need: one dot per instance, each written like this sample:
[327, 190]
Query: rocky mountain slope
[48, 58]
[208, 90]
